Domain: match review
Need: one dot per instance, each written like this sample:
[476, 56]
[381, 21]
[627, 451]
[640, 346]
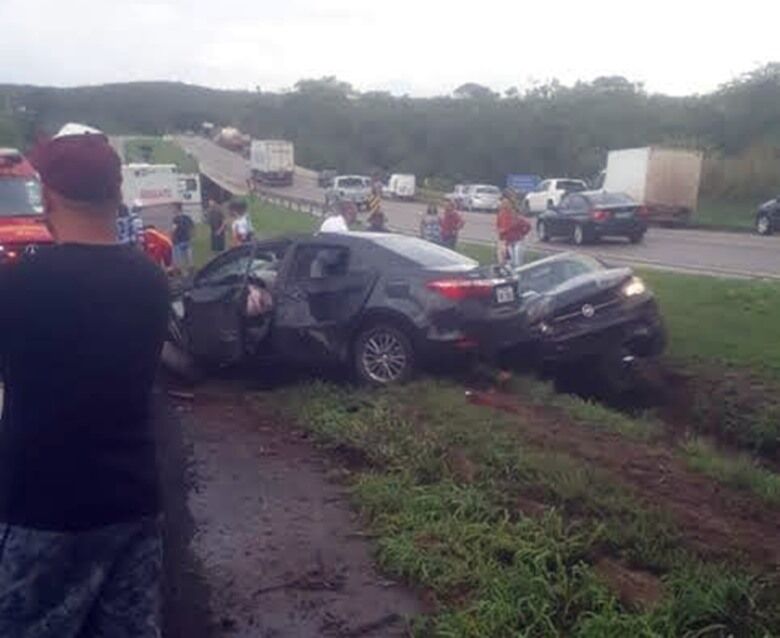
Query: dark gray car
[379, 302]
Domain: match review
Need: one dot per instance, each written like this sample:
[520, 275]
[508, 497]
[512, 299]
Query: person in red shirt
[512, 229]
[158, 247]
[451, 223]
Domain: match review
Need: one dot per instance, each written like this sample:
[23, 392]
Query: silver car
[349, 188]
[483, 197]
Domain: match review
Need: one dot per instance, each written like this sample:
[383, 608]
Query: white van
[401, 186]
[190, 195]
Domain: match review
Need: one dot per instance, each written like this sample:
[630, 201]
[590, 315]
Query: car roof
[569, 254]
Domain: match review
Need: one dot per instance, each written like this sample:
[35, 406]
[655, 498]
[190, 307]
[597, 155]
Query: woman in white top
[242, 229]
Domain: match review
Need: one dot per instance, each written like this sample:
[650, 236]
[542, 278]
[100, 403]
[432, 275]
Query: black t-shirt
[81, 328]
[216, 219]
[183, 228]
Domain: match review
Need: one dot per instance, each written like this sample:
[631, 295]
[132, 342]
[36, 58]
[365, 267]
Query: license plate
[624, 215]
[505, 294]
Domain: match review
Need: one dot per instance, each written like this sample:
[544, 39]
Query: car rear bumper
[619, 227]
[485, 338]
[640, 332]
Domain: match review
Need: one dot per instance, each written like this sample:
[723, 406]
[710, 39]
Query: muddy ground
[261, 540]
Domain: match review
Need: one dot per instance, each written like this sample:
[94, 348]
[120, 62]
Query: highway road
[696, 251]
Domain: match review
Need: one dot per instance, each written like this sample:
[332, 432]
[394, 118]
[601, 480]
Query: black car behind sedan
[377, 301]
[588, 216]
[768, 217]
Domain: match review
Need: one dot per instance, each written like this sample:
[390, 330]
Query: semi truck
[663, 180]
[272, 162]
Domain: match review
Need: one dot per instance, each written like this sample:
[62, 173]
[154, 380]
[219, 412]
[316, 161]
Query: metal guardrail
[301, 204]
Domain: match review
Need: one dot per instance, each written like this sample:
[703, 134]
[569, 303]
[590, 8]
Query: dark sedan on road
[768, 217]
[577, 308]
[588, 216]
[379, 302]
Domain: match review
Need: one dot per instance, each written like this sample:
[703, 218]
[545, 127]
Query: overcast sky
[420, 47]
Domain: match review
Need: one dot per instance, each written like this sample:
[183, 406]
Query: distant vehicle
[153, 189]
[588, 216]
[550, 192]
[349, 188]
[325, 177]
[664, 181]
[483, 197]
[191, 195]
[272, 162]
[233, 140]
[579, 309]
[22, 227]
[400, 186]
[522, 183]
[378, 302]
[459, 195]
[768, 217]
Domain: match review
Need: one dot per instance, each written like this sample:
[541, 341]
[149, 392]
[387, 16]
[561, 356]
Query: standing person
[124, 226]
[430, 225]
[339, 221]
[243, 230]
[377, 221]
[217, 226]
[512, 229]
[81, 329]
[451, 223]
[181, 236]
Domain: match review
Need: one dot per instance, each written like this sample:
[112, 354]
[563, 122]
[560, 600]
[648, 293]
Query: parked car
[349, 188]
[588, 216]
[579, 308]
[768, 217]
[459, 195]
[483, 197]
[378, 302]
[400, 186]
[325, 178]
[550, 192]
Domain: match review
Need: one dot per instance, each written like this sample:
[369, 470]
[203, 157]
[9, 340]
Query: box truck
[664, 180]
[272, 162]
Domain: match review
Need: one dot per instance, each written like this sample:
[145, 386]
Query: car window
[320, 262]
[424, 254]
[226, 269]
[550, 274]
[20, 196]
[488, 190]
[351, 182]
[577, 203]
[543, 187]
[570, 185]
[611, 199]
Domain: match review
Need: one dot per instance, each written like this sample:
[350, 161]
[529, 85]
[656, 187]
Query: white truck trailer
[272, 162]
[664, 180]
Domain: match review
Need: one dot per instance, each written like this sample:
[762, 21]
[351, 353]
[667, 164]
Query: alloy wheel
[384, 357]
[763, 225]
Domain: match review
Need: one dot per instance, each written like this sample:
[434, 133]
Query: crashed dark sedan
[577, 307]
[379, 302]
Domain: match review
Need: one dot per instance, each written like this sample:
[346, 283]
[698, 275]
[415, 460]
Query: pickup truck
[349, 188]
[549, 193]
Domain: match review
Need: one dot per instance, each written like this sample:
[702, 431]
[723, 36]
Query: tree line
[474, 134]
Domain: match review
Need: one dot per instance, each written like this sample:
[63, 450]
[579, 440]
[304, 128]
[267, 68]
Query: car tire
[764, 225]
[541, 231]
[380, 340]
[579, 235]
[636, 238]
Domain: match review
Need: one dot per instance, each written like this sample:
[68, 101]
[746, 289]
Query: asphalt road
[697, 251]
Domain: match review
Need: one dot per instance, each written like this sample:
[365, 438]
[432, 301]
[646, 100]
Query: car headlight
[634, 287]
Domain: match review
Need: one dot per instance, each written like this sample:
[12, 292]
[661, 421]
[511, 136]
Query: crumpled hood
[767, 205]
[23, 230]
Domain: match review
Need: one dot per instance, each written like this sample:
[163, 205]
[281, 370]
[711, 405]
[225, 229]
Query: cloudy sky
[420, 47]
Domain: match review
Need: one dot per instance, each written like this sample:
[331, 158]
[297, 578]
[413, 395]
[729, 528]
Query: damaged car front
[576, 307]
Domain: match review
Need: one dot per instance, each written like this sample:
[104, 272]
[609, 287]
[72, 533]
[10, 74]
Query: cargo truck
[272, 162]
[664, 181]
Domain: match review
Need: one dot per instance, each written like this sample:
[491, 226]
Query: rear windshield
[424, 253]
[547, 275]
[571, 186]
[20, 196]
[611, 199]
[488, 190]
[352, 182]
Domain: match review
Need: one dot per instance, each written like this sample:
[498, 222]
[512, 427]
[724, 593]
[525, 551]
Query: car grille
[598, 303]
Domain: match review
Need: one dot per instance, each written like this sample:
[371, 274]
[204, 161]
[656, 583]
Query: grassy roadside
[162, 152]
[510, 539]
[726, 214]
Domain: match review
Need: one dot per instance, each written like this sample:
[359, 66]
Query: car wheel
[383, 355]
[579, 236]
[541, 231]
[764, 225]
[636, 238]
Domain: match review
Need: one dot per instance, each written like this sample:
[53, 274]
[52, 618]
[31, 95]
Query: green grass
[726, 214]
[739, 471]
[162, 152]
[445, 486]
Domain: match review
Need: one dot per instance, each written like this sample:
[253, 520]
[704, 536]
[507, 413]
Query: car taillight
[643, 211]
[600, 215]
[458, 289]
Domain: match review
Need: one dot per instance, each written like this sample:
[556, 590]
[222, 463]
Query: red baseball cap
[81, 166]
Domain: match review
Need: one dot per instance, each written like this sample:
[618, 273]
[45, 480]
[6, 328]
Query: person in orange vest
[158, 247]
[512, 229]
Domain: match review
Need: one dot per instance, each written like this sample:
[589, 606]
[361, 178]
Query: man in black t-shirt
[81, 327]
[181, 237]
[217, 225]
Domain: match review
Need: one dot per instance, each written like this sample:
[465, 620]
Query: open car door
[320, 295]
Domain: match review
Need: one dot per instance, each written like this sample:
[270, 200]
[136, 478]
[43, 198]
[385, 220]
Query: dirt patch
[634, 588]
[279, 547]
[716, 521]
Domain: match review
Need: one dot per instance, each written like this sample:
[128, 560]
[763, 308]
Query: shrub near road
[517, 523]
